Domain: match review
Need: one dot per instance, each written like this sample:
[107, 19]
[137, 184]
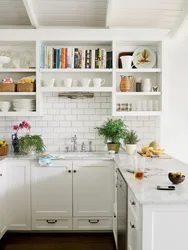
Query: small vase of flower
[15, 140]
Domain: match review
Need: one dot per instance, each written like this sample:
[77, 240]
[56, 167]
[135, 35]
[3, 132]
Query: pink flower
[15, 127]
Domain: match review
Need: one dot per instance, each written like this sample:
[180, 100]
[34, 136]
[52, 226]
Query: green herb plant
[112, 130]
[131, 137]
[31, 143]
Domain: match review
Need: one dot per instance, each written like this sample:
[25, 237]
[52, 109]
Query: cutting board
[161, 156]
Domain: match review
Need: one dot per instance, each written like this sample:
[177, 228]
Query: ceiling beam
[31, 14]
[109, 12]
[174, 32]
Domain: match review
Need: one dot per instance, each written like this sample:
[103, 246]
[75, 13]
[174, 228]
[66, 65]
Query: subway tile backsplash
[64, 118]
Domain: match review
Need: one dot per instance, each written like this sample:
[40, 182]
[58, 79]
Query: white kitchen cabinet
[19, 194]
[52, 195]
[93, 188]
[115, 209]
[3, 200]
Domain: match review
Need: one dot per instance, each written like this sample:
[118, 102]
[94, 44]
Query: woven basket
[3, 150]
[26, 87]
[7, 87]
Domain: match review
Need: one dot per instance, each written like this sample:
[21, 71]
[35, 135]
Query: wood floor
[57, 241]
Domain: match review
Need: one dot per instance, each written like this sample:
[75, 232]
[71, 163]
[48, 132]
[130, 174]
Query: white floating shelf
[145, 70]
[138, 113]
[138, 93]
[78, 89]
[75, 70]
[13, 113]
[17, 70]
[17, 93]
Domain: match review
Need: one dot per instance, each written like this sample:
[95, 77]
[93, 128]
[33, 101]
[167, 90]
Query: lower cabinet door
[100, 223]
[53, 224]
[19, 194]
[3, 201]
[115, 225]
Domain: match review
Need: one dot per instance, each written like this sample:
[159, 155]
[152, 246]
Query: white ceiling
[13, 12]
[162, 14]
[74, 13]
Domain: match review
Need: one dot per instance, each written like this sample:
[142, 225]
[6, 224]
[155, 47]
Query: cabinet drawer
[133, 203]
[133, 219]
[52, 224]
[104, 223]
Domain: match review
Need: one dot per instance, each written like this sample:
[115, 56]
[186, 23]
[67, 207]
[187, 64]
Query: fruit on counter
[3, 143]
[175, 175]
[154, 145]
[146, 149]
[148, 153]
[157, 151]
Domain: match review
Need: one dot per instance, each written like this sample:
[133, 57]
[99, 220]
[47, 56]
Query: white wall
[64, 118]
[175, 122]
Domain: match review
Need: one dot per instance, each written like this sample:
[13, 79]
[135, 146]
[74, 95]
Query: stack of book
[75, 58]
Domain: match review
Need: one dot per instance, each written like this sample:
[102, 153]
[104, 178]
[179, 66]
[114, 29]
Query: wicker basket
[26, 87]
[7, 87]
[3, 150]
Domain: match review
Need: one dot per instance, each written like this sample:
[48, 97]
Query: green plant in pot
[113, 130]
[31, 144]
[131, 140]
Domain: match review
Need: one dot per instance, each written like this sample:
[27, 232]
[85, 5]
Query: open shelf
[17, 93]
[77, 89]
[143, 70]
[17, 70]
[75, 70]
[138, 113]
[138, 93]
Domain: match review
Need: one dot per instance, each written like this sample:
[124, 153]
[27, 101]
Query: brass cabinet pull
[132, 225]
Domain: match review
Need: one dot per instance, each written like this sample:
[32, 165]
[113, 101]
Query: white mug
[85, 82]
[68, 82]
[126, 62]
[98, 82]
[5, 106]
[146, 86]
[50, 83]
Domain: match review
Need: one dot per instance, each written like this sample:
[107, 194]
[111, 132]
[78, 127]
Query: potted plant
[130, 140]
[31, 144]
[113, 130]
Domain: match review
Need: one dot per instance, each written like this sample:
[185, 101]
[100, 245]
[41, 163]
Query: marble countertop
[145, 190]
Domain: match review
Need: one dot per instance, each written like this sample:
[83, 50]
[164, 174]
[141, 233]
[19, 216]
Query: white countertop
[145, 190]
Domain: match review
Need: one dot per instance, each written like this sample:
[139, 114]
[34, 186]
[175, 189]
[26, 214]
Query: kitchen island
[156, 220]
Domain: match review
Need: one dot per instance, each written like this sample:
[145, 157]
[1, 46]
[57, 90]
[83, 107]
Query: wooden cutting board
[161, 156]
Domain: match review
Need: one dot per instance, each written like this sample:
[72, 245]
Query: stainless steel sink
[82, 155]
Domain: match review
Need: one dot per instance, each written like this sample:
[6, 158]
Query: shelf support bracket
[31, 14]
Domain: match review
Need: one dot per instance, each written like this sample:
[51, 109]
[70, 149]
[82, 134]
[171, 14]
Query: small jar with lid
[138, 84]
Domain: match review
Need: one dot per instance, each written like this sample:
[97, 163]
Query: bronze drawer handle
[132, 202]
[51, 221]
[132, 225]
[93, 221]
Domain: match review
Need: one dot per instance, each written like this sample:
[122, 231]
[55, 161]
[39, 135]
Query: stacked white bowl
[24, 105]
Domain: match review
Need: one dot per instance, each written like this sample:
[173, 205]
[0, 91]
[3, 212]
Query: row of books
[75, 58]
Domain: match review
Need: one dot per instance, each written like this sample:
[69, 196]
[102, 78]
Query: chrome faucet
[74, 139]
[83, 147]
[90, 146]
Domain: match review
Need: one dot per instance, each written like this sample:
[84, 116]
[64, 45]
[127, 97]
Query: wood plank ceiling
[161, 14]
[73, 13]
[13, 12]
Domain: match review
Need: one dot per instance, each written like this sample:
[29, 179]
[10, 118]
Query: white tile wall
[64, 118]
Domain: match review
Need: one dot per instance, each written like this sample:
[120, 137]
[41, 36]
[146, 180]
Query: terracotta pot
[113, 146]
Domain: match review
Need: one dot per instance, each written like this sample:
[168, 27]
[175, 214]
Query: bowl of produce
[176, 178]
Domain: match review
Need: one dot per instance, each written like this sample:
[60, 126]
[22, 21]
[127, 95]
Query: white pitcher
[126, 62]
[98, 82]
[146, 85]
[68, 82]
[85, 82]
